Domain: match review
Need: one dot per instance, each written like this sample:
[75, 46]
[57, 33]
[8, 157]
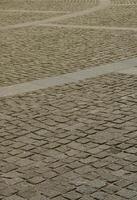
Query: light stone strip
[102, 5]
[131, 71]
[68, 78]
[127, 4]
[35, 11]
[89, 27]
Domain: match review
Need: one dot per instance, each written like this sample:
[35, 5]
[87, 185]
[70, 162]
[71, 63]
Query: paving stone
[8, 191]
[72, 195]
[99, 195]
[59, 198]
[123, 183]
[85, 189]
[84, 169]
[133, 186]
[36, 180]
[97, 183]
[14, 197]
[134, 198]
[114, 166]
[127, 193]
[110, 189]
[39, 197]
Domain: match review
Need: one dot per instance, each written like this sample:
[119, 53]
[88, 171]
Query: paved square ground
[119, 16]
[9, 18]
[73, 134]
[72, 142]
[48, 5]
[32, 53]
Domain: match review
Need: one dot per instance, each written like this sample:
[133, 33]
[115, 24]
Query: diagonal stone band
[68, 78]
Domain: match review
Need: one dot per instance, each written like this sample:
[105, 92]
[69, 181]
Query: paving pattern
[11, 18]
[75, 139]
[113, 16]
[103, 4]
[57, 5]
[25, 56]
[71, 142]
[125, 2]
[125, 66]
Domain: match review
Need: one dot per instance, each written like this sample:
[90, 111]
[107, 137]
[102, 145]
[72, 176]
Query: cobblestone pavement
[9, 18]
[32, 57]
[58, 5]
[76, 141]
[125, 2]
[71, 142]
[113, 16]
[31, 52]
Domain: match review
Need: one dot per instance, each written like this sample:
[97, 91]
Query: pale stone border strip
[68, 78]
[89, 27]
[131, 71]
[127, 4]
[102, 5]
[35, 11]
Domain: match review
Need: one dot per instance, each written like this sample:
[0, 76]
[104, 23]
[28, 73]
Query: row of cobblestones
[112, 16]
[58, 5]
[74, 142]
[119, 2]
[31, 53]
[10, 18]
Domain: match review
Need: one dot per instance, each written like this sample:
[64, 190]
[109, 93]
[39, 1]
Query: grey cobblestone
[125, 2]
[77, 141]
[115, 16]
[9, 18]
[70, 5]
[14, 197]
[54, 162]
[35, 60]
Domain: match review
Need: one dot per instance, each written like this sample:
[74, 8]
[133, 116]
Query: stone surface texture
[77, 141]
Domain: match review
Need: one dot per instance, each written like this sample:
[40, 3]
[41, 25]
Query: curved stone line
[34, 11]
[103, 4]
[135, 4]
[90, 27]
